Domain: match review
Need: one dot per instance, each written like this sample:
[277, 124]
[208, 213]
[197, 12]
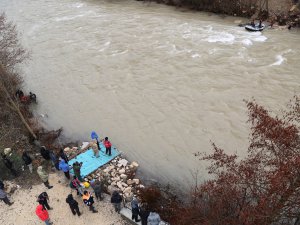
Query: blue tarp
[90, 162]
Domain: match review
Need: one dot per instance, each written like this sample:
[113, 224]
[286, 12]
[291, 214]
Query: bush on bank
[262, 188]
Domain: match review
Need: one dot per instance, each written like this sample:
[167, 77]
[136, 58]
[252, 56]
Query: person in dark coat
[63, 155]
[73, 205]
[144, 213]
[135, 209]
[45, 153]
[97, 186]
[27, 160]
[76, 168]
[9, 164]
[54, 159]
[1, 184]
[43, 200]
[116, 200]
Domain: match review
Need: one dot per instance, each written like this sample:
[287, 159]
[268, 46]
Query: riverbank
[284, 12]
[23, 209]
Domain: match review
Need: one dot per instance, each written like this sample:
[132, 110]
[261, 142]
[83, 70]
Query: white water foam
[196, 55]
[78, 5]
[279, 60]
[222, 37]
[247, 42]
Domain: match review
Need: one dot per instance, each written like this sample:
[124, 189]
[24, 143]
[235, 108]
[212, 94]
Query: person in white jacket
[153, 219]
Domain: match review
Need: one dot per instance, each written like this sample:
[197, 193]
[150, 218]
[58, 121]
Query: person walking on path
[63, 155]
[65, 168]
[89, 201]
[107, 145]
[73, 205]
[42, 213]
[76, 168]
[45, 153]
[97, 186]
[144, 213]
[75, 183]
[9, 165]
[135, 209]
[3, 196]
[153, 219]
[27, 160]
[116, 200]
[43, 200]
[44, 176]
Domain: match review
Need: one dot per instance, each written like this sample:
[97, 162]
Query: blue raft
[90, 162]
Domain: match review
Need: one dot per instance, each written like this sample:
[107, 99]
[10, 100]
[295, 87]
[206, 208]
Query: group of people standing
[60, 162]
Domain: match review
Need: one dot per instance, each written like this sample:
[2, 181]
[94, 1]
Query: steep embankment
[283, 12]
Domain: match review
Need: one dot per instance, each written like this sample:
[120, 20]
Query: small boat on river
[255, 28]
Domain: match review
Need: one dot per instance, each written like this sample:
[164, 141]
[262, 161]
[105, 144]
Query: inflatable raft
[255, 28]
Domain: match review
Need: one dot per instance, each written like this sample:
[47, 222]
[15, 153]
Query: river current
[162, 83]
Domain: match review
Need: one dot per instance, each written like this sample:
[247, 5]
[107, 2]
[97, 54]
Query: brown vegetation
[262, 188]
[18, 127]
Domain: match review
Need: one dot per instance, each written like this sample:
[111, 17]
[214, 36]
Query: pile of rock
[119, 175]
[72, 152]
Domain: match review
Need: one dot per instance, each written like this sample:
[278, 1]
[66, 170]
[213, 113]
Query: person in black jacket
[135, 209]
[9, 164]
[116, 200]
[45, 153]
[43, 200]
[27, 160]
[144, 213]
[63, 155]
[73, 205]
[1, 184]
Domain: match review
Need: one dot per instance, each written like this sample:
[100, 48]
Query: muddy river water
[160, 82]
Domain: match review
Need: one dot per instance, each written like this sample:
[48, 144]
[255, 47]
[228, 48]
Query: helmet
[86, 184]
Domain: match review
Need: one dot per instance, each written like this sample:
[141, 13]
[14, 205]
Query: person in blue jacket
[65, 168]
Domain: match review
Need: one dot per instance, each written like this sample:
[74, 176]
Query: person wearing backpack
[73, 205]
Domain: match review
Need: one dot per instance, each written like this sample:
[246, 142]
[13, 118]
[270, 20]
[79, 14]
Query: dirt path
[22, 212]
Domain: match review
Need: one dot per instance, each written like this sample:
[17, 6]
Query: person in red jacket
[42, 213]
[107, 145]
